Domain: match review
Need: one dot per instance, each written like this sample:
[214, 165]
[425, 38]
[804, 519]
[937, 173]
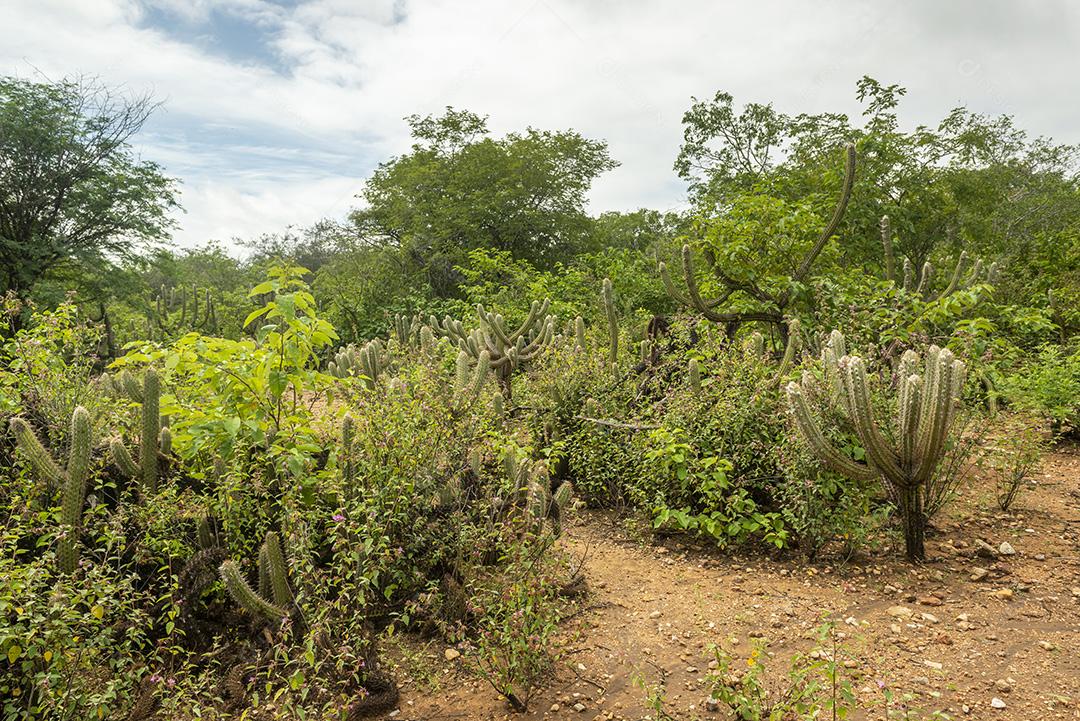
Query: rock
[932, 664]
[655, 614]
[997, 703]
[1004, 685]
[451, 653]
[978, 574]
[555, 708]
[579, 707]
[1005, 594]
[984, 549]
[1047, 646]
[900, 612]
[930, 601]
[712, 705]
[929, 617]
[1006, 549]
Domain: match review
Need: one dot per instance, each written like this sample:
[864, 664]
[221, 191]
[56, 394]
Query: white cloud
[622, 71]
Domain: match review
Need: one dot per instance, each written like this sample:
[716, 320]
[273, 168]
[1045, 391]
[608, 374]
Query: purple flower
[338, 517]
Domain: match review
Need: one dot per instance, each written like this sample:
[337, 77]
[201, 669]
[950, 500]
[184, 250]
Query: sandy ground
[954, 634]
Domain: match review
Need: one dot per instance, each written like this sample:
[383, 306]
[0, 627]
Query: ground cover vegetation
[226, 483]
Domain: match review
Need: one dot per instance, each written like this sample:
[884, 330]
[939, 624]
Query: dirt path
[956, 633]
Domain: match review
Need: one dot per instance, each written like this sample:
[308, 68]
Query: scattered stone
[655, 614]
[451, 653]
[1004, 685]
[579, 707]
[997, 703]
[929, 617]
[1006, 549]
[1040, 556]
[712, 705]
[900, 612]
[978, 574]
[1047, 646]
[1005, 594]
[555, 708]
[930, 601]
[932, 664]
[984, 549]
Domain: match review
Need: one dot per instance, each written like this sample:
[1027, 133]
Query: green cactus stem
[74, 494]
[579, 334]
[348, 466]
[926, 409]
[245, 597]
[890, 253]
[274, 600]
[155, 439]
[694, 375]
[42, 464]
[608, 298]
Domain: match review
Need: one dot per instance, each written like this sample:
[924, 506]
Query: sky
[273, 113]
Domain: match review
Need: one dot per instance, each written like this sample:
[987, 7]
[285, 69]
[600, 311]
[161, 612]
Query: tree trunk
[914, 520]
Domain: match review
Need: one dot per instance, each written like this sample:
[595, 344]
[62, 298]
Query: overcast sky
[275, 112]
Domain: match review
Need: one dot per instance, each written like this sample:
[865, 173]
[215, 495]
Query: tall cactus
[175, 311]
[507, 350]
[926, 408]
[607, 296]
[771, 303]
[274, 600]
[469, 380]
[71, 480]
[155, 439]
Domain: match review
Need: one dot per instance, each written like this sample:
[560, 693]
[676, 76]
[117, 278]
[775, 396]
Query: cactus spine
[890, 253]
[274, 599]
[925, 412]
[579, 334]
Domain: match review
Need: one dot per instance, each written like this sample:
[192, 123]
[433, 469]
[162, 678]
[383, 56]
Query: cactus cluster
[71, 479]
[506, 350]
[369, 360]
[924, 283]
[532, 494]
[274, 600]
[925, 410]
[176, 310]
[155, 438]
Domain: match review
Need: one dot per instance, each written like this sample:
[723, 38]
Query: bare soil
[956, 633]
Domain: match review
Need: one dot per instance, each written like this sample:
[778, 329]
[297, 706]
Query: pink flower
[338, 517]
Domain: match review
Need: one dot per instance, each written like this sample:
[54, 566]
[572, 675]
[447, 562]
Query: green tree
[971, 182]
[72, 190]
[459, 189]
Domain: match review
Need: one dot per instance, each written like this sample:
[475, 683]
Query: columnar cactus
[155, 439]
[507, 350]
[174, 311]
[607, 296]
[926, 408]
[274, 601]
[694, 375]
[469, 379]
[923, 285]
[579, 334]
[369, 360]
[71, 480]
[345, 460]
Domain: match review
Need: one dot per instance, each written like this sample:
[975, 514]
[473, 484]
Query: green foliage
[91, 199]
[814, 686]
[1048, 384]
[459, 189]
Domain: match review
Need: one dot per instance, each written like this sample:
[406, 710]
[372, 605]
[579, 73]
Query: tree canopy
[459, 189]
[71, 187]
